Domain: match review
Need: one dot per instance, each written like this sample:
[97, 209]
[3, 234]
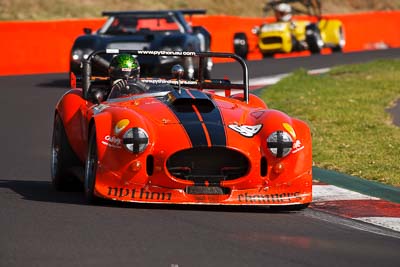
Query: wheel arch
[254, 100]
[68, 109]
[303, 135]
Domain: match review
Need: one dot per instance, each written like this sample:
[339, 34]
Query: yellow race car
[288, 35]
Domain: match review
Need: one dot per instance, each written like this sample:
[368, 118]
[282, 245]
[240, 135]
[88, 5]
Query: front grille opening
[263, 167]
[150, 165]
[272, 40]
[208, 164]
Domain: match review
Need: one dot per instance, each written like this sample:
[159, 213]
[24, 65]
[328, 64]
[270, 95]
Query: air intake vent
[185, 98]
[272, 40]
[208, 165]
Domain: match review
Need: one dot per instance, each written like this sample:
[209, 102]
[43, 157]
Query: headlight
[280, 144]
[78, 54]
[255, 30]
[135, 140]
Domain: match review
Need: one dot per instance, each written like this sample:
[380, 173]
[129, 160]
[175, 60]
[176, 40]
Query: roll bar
[87, 65]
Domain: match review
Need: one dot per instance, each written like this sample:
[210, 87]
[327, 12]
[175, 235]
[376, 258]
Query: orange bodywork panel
[181, 141]
[227, 135]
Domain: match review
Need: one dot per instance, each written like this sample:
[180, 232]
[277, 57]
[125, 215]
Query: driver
[283, 12]
[124, 73]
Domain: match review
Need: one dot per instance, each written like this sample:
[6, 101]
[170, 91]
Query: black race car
[162, 30]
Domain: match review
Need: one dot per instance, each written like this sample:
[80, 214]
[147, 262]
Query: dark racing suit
[123, 87]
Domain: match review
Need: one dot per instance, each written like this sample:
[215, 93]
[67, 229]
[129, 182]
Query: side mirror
[87, 31]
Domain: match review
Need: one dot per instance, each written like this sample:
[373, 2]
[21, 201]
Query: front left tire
[91, 169]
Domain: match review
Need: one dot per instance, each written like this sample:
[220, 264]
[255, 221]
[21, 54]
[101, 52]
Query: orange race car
[180, 141]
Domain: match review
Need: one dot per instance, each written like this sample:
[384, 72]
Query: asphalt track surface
[42, 227]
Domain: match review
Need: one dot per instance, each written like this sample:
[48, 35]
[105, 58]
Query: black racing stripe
[190, 122]
[210, 114]
[199, 94]
[212, 119]
[215, 126]
[185, 94]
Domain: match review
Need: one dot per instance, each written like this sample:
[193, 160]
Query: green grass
[345, 109]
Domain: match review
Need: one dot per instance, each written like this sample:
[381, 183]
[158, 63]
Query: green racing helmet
[124, 66]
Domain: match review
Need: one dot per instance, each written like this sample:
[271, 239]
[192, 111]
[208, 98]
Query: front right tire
[63, 159]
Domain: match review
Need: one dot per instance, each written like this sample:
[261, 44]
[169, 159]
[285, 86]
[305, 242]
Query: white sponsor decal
[166, 53]
[112, 141]
[246, 130]
[174, 82]
[129, 46]
[99, 108]
[297, 146]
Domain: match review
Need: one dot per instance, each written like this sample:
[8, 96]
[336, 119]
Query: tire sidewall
[91, 168]
[56, 150]
[313, 38]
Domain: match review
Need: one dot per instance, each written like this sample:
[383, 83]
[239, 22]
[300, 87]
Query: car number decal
[246, 130]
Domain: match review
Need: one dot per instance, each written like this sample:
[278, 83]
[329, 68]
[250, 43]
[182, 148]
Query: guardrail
[32, 47]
